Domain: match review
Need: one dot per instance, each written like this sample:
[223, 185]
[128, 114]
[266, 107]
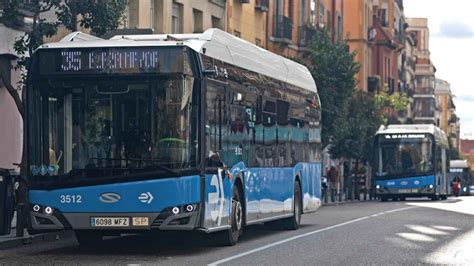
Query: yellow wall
[357, 21]
[248, 21]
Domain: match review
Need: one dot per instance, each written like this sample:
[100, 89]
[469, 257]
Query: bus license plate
[110, 221]
[140, 221]
[408, 190]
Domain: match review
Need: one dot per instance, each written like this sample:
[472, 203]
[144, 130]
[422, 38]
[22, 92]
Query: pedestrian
[333, 175]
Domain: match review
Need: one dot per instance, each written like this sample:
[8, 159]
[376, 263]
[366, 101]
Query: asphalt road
[411, 232]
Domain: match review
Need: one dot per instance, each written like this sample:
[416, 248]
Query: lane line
[305, 235]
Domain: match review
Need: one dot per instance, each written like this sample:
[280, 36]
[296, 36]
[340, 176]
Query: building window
[197, 21]
[237, 33]
[152, 14]
[176, 19]
[290, 9]
[320, 12]
[126, 17]
[329, 20]
[217, 23]
[302, 16]
[258, 42]
[312, 15]
[339, 27]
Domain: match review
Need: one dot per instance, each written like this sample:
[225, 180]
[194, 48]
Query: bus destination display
[113, 60]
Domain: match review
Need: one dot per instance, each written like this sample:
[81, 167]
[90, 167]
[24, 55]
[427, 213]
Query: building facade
[425, 103]
[176, 16]
[448, 121]
[359, 35]
[248, 20]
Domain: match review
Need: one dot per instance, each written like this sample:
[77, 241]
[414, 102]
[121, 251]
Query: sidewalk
[12, 241]
[345, 199]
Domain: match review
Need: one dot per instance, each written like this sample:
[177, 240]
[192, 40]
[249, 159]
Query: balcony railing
[283, 28]
[262, 5]
[305, 35]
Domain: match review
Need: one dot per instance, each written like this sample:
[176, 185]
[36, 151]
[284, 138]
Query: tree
[99, 16]
[333, 68]
[364, 120]
[396, 101]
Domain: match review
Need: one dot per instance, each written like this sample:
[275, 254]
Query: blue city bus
[199, 132]
[411, 161]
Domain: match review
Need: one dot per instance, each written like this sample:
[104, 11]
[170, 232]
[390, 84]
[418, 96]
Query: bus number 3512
[70, 199]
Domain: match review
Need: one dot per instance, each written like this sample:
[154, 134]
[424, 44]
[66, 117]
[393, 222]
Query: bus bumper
[184, 217]
[406, 192]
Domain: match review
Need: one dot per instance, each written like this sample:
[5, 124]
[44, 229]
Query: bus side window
[269, 132]
[214, 119]
[283, 144]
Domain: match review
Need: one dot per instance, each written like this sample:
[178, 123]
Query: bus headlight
[377, 186]
[431, 186]
[36, 208]
[175, 210]
[464, 189]
[48, 210]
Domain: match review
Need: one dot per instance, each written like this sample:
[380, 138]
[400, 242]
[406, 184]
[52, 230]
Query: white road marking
[305, 235]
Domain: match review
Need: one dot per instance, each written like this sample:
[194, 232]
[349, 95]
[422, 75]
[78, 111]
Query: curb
[345, 202]
[34, 239]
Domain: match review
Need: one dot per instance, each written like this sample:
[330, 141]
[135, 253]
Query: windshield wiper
[153, 164]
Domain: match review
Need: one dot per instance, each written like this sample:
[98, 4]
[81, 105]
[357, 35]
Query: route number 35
[70, 199]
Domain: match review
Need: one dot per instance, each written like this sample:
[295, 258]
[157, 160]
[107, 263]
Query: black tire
[89, 238]
[435, 198]
[293, 223]
[231, 236]
[383, 199]
[402, 199]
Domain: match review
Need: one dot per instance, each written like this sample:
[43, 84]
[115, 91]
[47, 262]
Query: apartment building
[425, 103]
[359, 36]
[176, 16]
[247, 19]
[448, 121]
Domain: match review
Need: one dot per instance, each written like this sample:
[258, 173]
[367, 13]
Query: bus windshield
[112, 125]
[404, 157]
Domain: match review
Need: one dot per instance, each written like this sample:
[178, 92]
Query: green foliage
[364, 119]
[99, 16]
[333, 68]
[396, 101]
[11, 16]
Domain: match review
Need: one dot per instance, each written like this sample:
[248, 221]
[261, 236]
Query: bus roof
[214, 43]
[439, 134]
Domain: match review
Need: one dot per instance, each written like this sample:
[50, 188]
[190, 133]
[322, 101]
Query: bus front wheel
[88, 238]
[231, 236]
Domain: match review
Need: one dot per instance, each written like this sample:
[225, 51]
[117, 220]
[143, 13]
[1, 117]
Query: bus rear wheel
[231, 236]
[294, 222]
[88, 238]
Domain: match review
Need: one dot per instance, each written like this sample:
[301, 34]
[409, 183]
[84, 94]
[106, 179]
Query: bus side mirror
[209, 72]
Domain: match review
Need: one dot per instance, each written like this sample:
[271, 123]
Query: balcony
[219, 2]
[262, 5]
[283, 28]
[424, 90]
[305, 35]
[424, 70]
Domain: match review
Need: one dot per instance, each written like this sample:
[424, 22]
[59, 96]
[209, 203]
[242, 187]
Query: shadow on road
[167, 244]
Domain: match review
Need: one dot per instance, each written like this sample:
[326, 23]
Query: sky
[451, 26]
